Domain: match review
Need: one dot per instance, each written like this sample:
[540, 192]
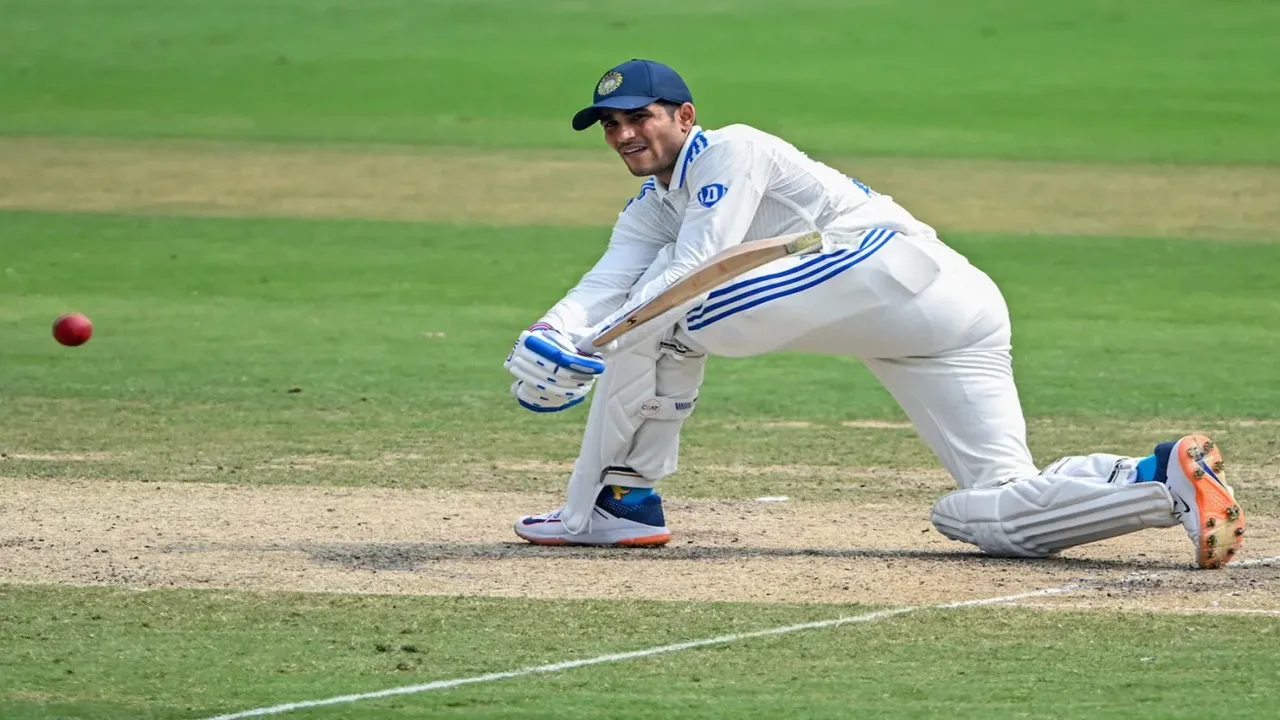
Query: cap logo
[611, 81]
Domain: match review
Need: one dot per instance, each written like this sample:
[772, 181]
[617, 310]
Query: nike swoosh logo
[1180, 507]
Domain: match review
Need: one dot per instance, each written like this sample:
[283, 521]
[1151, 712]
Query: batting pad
[1045, 514]
[641, 402]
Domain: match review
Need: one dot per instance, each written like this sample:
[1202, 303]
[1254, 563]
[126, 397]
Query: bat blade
[717, 270]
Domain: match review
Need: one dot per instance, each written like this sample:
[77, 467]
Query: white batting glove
[551, 374]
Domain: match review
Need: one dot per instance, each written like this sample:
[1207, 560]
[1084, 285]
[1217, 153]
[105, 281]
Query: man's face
[648, 138]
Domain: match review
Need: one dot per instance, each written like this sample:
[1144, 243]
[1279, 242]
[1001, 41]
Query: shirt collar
[693, 145]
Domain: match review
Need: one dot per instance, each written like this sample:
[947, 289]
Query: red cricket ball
[72, 329]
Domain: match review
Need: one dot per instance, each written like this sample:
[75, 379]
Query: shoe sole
[1221, 519]
[644, 541]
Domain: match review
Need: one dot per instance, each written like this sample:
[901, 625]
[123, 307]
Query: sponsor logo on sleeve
[709, 195]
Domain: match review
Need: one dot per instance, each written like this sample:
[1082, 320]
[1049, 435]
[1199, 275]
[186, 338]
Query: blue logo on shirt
[710, 194]
[863, 187]
[644, 190]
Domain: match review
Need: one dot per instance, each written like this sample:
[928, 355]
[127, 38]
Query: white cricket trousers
[933, 329]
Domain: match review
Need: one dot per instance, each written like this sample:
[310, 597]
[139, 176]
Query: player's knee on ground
[1042, 515]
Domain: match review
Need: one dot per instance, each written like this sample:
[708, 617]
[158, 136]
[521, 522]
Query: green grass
[209, 311]
[125, 654]
[202, 327]
[971, 664]
[106, 653]
[1170, 80]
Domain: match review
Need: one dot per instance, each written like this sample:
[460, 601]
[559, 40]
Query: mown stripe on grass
[588, 189]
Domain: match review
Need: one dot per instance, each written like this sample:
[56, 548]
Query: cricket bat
[717, 270]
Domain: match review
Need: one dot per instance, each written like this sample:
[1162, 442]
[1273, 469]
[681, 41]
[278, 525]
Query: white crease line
[1238, 611]
[1255, 561]
[1147, 609]
[677, 647]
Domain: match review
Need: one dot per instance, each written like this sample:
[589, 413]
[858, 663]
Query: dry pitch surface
[433, 542]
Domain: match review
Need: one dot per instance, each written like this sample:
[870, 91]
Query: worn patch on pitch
[588, 189]
[434, 542]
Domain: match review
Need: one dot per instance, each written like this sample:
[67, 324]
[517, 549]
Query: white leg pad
[640, 403]
[1045, 514]
[655, 451]
[1103, 467]
[641, 400]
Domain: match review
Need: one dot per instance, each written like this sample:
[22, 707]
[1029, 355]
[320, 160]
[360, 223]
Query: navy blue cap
[631, 85]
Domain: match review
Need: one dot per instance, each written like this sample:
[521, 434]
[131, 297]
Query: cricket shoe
[616, 520]
[1202, 500]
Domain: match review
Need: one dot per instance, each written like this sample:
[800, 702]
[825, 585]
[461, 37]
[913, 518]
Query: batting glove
[551, 374]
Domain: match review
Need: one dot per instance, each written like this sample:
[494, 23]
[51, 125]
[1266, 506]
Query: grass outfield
[285, 466]
[1167, 80]
[152, 656]
[206, 327]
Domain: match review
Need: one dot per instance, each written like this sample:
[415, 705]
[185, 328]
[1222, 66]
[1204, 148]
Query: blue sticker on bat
[710, 194]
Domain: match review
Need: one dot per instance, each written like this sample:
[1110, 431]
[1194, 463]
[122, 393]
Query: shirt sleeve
[633, 246]
[725, 185]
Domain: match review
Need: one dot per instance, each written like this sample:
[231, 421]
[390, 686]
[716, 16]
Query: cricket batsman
[883, 288]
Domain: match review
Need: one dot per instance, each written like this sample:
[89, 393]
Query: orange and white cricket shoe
[626, 517]
[1202, 500]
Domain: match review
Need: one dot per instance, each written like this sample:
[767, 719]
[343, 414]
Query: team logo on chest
[611, 81]
[710, 194]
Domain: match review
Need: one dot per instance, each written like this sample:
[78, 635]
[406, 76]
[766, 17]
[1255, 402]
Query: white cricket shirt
[730, 185]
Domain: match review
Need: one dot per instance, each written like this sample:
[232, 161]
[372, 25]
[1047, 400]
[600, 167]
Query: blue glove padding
[569, 358]
[551, 374]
